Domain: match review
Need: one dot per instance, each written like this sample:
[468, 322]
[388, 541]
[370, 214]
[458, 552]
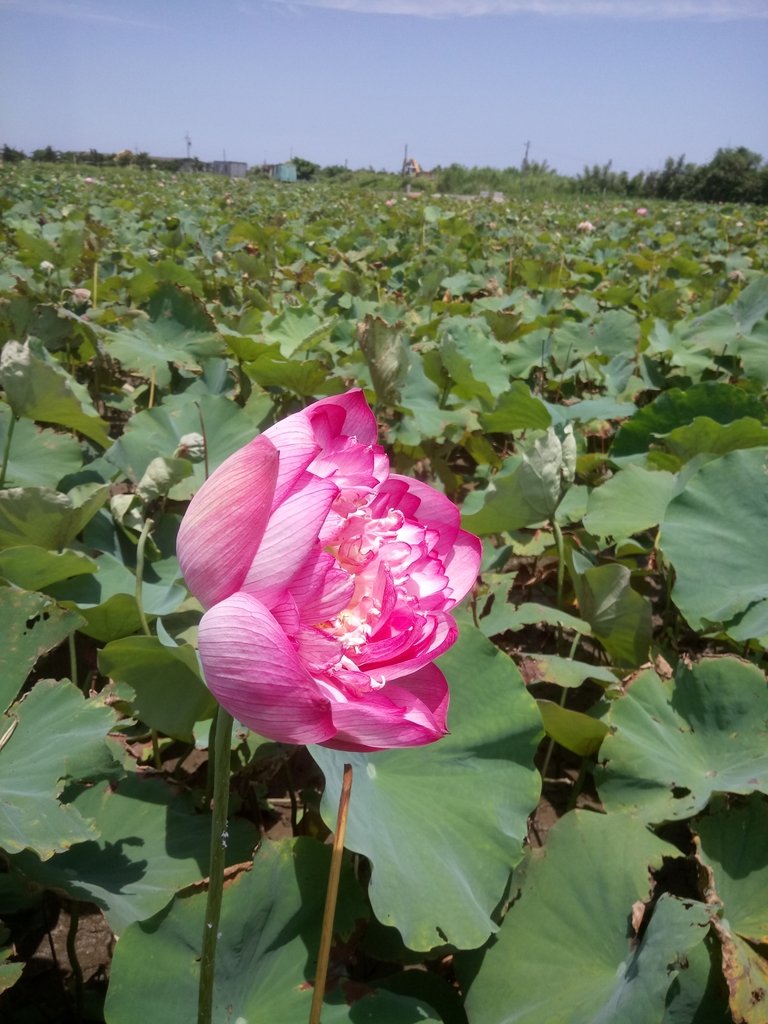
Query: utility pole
[524, 166]
[189, 144]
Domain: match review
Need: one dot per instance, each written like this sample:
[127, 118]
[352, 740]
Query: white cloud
[709, 10]
[90, 13]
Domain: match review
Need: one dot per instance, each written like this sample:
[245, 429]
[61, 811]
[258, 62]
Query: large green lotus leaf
[39, 388]
[171, 302]
[243, 346]
[462, 283]
[632, 501]
[156, 282]
[587, 410]
[504, 616]
[612, 333]
[752, 350]
[734, 328]
[712, 535]
[34, 568]
[159, 432]
[423, 415]
[30, 625]
[752, 625]
[152, 842]
[571, 920]
[293, 328]
[270, 928]
[106, 598]
[148, 347]
[746, 974]
[161, 476]
[698, 995]
[52, 737]
[572, 729]
[37, 458]
[503, 320]
[672, 744]
[493, 603]
[517, 409]
[47, 518]
[503, 505]
[551, 668]
[116, 617]
[305, 377]
[616, 332]
[704, 435]
[530, 489]
[473, 359]
[499, 615]
[722, 403]
[33, 249]
[406, 802]
[387, 357]
[170, 693]
[620, 617]
[733, 843]
[527, 354]
[9, 973]
[751, 306]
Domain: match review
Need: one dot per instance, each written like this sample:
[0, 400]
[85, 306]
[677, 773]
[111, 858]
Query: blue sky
[583, 81]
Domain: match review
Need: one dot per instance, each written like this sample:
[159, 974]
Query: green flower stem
[563, 697]
[73, 660]
[148, 524]
[205, 438]
[326, 934]
[74, 963]
[7, 449]
[578, 784]
[222, 747]
[560, 561]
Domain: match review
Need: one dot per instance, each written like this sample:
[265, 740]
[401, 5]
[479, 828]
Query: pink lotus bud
[81, 295]
[328, 583]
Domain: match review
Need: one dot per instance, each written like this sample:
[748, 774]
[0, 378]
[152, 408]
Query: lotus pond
[587, 382]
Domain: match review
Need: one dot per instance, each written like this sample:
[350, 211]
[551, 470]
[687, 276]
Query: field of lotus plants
[470, 496]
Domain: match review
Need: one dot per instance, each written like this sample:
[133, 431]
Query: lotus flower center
[364, 546]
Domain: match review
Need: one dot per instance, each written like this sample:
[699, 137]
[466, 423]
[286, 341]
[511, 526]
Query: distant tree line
[734, 175]
[93, 158]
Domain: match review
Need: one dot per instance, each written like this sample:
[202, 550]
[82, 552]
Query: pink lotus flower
[586, 226]
[641, 211]
[328, 582]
